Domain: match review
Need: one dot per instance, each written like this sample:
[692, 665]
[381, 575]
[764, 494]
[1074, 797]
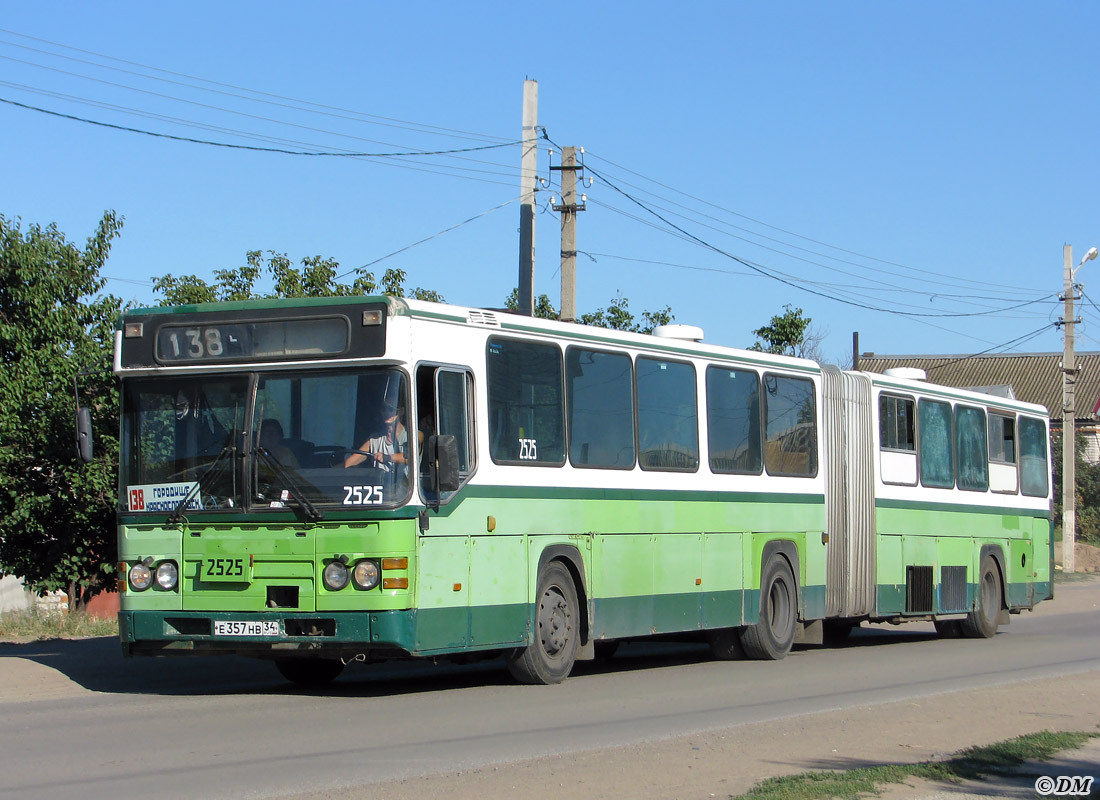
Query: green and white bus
[327, 480]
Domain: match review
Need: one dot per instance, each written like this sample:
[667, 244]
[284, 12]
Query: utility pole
[1069, 420]
[569, 208]
[527, 177]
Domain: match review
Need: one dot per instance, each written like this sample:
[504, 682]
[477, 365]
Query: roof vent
[909, 373]
[476, 317]
[688, 333]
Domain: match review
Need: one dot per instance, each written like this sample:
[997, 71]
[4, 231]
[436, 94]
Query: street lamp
[1069, 413]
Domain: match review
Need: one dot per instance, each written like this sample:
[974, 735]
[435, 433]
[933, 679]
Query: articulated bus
[330, 480]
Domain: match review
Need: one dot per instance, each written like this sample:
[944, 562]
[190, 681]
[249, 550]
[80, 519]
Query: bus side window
[790, 411]
[937, 462]
[972, 449]
[1034, 472]
[452, 395]
[1002, 453]
[526, 412]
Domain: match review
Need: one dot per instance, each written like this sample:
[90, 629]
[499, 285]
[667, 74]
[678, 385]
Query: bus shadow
[97, 665]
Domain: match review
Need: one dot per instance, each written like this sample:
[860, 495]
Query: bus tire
[549, 658]
[773, 634]
[981, 623]
[309, 671]
[725, 644]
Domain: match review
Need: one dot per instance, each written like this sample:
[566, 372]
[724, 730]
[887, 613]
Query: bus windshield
[313, 439]
[179, 436]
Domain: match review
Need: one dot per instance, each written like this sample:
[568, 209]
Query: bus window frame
[764, 423]
[567, 405]
[489, 340]
[638, 422]
[951, 442]
[471, 419]
[955, 407]
[915, 452]
[759, 416]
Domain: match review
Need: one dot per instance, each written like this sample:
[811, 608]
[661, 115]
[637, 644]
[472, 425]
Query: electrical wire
[795, 284]
[429, 238]
[1012, 343]
[250, 147]
[363, 116]
[800, 236]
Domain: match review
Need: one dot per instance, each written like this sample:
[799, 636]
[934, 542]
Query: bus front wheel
[549, 658]
[773, 634]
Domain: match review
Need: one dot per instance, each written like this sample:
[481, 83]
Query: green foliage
[1088, 490]
[1001, 758]
[315, 277]
[56, 514]
[784, 335]
[616, 316]
[544, 309]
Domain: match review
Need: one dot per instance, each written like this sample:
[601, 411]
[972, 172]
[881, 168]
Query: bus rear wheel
[773, 634]
[550, 657]
[309, 671]
[981, 623]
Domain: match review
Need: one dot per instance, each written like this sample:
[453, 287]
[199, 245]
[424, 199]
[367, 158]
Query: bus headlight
[366, 574]
[168, 575]
[336, 576]
[141, 577]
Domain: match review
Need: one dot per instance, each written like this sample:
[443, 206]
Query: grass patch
[30, 626]
[970, 764]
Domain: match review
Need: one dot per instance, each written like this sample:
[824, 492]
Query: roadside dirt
[720, 764]
[1086, 557]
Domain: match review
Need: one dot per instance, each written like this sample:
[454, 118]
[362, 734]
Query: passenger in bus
[388, 450]
[271, 440]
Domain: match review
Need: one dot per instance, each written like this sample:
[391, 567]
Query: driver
[387, 450]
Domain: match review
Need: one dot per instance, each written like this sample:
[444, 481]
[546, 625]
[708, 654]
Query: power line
[798, 235]
[796, 283]
[254, 147]
[429, 238]
[370, 118]
[1014, 342]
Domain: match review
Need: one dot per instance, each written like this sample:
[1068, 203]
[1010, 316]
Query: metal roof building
[1033, 378]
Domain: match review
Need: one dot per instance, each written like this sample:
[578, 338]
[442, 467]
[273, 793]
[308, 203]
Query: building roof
[1034, 377]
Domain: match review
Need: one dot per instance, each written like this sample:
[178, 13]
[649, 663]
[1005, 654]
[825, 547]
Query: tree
[316, 277]
[616, 316]
[789, 334]
[57, 516]
[1087, 500]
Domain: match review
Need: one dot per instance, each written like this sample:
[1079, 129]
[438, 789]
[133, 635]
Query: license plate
[226, 570]
[240, 627]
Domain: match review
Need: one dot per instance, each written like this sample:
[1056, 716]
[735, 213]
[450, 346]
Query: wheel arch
[571, 559]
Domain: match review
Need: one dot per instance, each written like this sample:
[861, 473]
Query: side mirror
[84, 434]
[441, 453]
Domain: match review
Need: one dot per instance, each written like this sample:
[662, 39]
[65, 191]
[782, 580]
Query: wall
[13, 597]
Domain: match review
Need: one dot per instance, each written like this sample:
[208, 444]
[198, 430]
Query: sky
[910, 171]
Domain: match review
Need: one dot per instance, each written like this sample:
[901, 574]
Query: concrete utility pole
[569, 208]
[528, 168]
[1069, 423]
[1069, 410]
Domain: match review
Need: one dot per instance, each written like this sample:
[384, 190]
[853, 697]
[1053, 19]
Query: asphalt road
[77, 718]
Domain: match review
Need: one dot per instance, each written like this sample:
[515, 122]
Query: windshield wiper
[177, 514]
[291, 484]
